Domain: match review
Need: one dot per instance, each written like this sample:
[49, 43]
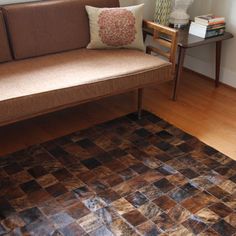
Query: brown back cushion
[5, 53]
[50, 26]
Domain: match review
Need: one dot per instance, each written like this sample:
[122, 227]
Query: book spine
[217, 19]
[206, 20]
[205, 23]
[199, 21]
[205, 33]
[216, 22]
[218, 26]
[212, 33]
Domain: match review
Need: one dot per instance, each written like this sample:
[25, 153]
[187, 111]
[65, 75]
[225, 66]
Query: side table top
[187, 40]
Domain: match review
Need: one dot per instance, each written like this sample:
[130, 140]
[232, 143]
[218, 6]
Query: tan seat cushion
[40, 85]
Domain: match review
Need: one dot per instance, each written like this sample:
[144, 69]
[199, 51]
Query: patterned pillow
[116, 27]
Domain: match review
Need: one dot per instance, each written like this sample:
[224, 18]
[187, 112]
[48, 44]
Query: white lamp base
[179, 15]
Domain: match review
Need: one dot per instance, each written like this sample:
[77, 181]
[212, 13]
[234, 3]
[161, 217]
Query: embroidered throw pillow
[116, 27]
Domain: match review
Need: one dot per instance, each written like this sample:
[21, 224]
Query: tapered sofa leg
[140, 103]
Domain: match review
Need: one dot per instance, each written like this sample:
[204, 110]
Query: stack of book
[207, 26]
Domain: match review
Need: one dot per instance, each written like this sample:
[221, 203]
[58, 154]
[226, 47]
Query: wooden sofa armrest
[166, 38]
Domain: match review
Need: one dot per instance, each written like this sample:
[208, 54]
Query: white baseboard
[227, 76]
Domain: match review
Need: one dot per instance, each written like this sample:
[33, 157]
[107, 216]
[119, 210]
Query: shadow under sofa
[45, 66]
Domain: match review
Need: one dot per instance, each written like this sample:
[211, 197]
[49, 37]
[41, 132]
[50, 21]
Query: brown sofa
[44, 65]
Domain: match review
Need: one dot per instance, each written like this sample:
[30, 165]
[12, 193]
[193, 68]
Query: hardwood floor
[201, 110]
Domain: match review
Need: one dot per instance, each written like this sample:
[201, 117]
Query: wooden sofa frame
[164, 46]
[167, 47]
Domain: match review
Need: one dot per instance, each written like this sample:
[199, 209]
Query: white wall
[200, 7]
[149, 6]
[124, 3]
[203, 60]
[228, 9]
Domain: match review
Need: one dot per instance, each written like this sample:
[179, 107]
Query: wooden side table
[187, 41]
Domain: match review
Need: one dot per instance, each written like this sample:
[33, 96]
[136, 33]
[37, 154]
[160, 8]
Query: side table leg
[218, 62]
[181, 57]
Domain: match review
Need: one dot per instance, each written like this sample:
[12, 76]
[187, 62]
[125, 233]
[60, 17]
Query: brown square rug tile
[124, 177]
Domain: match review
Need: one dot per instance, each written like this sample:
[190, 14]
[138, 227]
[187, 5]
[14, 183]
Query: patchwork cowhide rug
[124, 177]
